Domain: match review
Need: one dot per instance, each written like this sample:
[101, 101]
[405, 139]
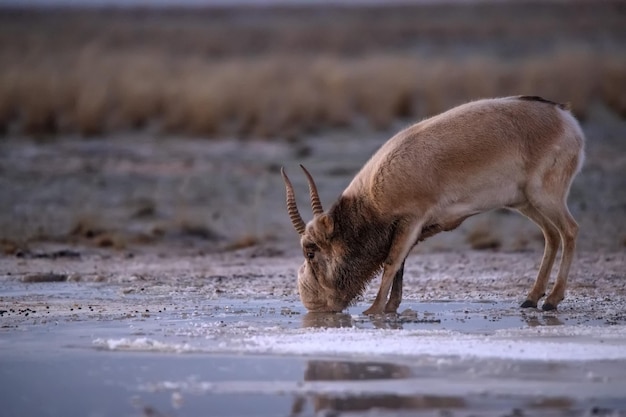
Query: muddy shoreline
[71, 287]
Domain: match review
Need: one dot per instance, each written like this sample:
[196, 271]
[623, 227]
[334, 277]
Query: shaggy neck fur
[366, 239]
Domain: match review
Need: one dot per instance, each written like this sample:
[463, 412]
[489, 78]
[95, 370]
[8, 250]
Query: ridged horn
[316, 205]
[292, 207]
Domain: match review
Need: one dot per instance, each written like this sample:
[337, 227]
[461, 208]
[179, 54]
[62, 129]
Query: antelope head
[341, 248]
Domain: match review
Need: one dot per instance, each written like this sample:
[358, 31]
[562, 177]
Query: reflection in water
[546, 320]
[327, 320]
[387, 321]
[461, 320]
[319, 370]
[329, 403]
[563, 403]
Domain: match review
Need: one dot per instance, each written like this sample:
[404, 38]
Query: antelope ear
[326, 223]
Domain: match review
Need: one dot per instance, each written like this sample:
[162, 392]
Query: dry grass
[89, 230]
[45, 277]
[243, 242]
[12, 247]
[213, 74]
[274, 96]
[482, 238]
[613, 84]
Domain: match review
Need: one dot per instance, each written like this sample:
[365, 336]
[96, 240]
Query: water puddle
[144, 384]
[174, 356]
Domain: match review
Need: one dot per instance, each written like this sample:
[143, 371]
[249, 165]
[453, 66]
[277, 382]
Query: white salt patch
[605, 332]
[549, 343]
[142, 344]
[583, 344]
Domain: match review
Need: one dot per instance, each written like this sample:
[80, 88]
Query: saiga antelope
[519, 152]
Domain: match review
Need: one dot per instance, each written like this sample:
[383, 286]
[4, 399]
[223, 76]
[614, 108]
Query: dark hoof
[528, 304]
[548, 306]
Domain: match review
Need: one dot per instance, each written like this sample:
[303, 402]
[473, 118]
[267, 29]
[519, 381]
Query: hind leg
[554, 209]
[547, 192]
[551, 238]
[568, 230]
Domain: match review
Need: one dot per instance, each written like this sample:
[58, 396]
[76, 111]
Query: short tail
[564, 106]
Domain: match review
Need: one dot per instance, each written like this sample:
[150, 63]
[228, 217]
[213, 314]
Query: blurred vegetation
[268, 72]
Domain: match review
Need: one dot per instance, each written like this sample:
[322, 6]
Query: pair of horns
[292, 207]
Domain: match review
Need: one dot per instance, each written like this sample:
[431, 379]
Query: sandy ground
[109, 287]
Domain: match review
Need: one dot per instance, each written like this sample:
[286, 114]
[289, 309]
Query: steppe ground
[148, 138]
[141, 153]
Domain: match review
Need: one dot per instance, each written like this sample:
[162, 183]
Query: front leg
[403, 240]
[396, 292]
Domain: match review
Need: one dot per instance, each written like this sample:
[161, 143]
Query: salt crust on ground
[584, 343]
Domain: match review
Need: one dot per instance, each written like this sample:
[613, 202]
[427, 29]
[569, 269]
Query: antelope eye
[309, 250]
